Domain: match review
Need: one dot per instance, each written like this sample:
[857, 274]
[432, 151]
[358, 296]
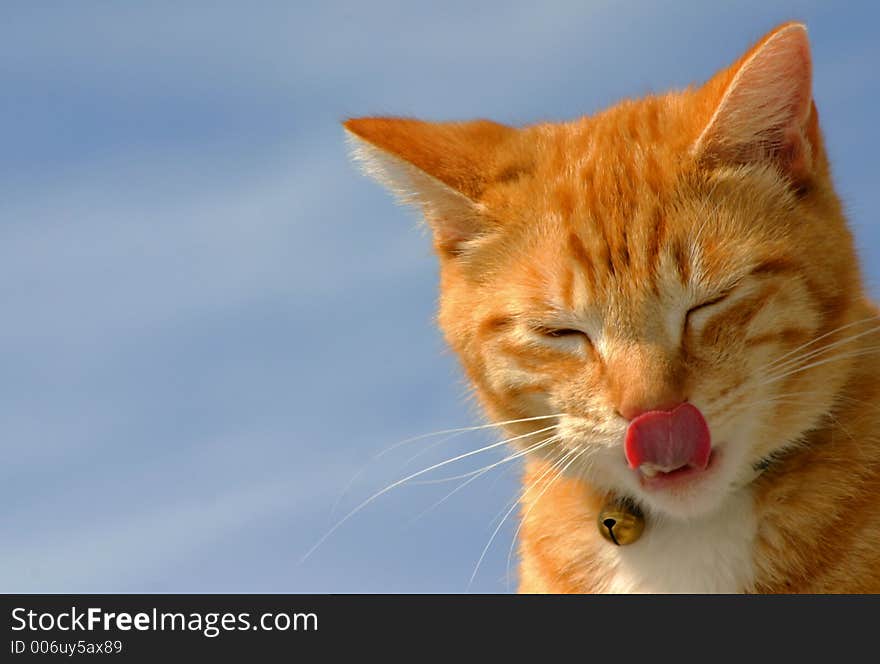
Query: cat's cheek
[529, 374]
[535, 401]
[507, 387]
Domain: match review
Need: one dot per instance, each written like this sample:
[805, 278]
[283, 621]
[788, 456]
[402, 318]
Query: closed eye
[705, 305]
[560, 333]
[709, 303]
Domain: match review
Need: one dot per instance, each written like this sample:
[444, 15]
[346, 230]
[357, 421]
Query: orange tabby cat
[671, 286]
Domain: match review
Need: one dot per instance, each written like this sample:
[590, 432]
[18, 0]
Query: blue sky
[212, 321]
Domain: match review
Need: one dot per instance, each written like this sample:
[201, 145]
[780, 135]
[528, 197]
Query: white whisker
[560, 454]
[528, 511]
[819, 338]
[735, 410]
[835, 358]
[406, 441]
[413, 476]
[521, 453]
[477, 474]
[824, 349]
[498, 528]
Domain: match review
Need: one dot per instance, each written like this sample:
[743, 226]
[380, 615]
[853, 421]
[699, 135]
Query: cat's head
[676, 248]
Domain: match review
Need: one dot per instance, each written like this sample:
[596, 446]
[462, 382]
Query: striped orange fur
[680, 247]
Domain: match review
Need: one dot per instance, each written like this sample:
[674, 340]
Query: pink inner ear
[765, 108]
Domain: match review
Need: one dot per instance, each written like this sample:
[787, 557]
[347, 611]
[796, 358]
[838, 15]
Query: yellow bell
[621, 522]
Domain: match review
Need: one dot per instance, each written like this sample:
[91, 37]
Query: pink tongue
[669, 439]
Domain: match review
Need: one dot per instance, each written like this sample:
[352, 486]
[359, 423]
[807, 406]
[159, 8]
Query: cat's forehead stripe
[600, 258]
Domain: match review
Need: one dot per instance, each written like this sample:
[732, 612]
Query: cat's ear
[443, 167]
[761, 108]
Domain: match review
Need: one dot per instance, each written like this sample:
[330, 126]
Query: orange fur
[673, 247]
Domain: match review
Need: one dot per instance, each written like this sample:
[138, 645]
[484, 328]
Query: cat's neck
[818, 522]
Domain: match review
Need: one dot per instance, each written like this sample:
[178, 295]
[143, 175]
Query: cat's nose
[643, 378]
[631, 406]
